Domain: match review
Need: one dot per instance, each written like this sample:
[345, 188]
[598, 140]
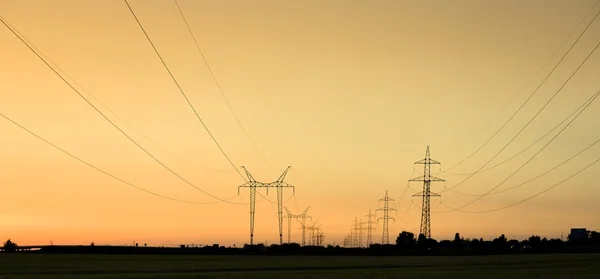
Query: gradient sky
[349, 93]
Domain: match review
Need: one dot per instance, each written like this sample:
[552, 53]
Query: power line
[108, 119]
[101, 170]
[527, 199]
[535, 155]
[181, 90]
[546, 64]
[527, 100]
[219, 85]
[531, 145]
[542, 174]
[535, 116]
[105, 106]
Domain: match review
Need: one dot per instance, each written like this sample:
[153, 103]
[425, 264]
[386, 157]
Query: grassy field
[21, 266]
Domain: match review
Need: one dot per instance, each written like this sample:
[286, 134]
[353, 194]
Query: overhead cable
[108, 119]
[101, 170]
[214, 78]
[182, 92]
[527, 100]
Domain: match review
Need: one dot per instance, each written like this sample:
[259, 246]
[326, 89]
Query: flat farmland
[24, 266]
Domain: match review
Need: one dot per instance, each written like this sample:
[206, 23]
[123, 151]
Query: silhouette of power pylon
[303, 218]
[252, 184]
[385, 237]
[370, 228]
[320, 237]
[426, 194]
[311, 234]
[349, 241]
[291, 216]
[356, 230]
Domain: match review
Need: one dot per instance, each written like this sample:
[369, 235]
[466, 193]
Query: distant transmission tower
[370, 222]
[312, 241]
[320, 237]
[302, 217]
[426, 194]
[279, 185]
[289, 216]
[385, 237]
[348, 242]
[356, 230]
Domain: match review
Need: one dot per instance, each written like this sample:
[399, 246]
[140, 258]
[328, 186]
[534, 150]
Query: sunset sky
[348, 93]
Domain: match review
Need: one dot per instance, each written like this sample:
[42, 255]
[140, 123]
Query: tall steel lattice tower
[370, 228]
[252, 184]
[426, 194]
[302, 218]
[385, 237]
[356, 231]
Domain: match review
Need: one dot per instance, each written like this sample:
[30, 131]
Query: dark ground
[23, 265]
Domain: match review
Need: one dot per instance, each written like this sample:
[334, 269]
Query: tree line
[406, 244]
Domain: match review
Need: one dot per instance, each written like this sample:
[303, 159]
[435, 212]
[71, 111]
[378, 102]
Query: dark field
[155, 266]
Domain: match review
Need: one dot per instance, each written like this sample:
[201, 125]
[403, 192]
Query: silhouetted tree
[422, 242]
[458, 242]
[514, 244]
[595, 238]
[405, 240]
[535, 242]
[10, 246]
[500, 243]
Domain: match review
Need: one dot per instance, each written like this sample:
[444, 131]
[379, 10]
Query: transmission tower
[370, 222]
[349, 240]
[320, 237]
[252, 184]
[385, 237]
[426, 194]
[289, 216]
[303, 218]
[356, 231]
[312, 236]
[361, 230]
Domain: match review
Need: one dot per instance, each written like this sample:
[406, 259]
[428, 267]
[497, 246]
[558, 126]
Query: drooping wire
[528, 147]
[83, 89]
[182, 92]
[538, 176]
[101, 170]
[535, 155]
[527, 100]
[545, 64]
[526, 199]
[108, 119]
[219, 86]
[535, 116]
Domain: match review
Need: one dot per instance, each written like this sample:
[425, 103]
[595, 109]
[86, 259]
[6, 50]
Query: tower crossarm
[424, 178]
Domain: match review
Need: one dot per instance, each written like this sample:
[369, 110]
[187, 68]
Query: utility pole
[370, 228]
[385, 237]
[426, 194]
[252, 184]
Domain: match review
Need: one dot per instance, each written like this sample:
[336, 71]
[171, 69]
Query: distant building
[578, 234]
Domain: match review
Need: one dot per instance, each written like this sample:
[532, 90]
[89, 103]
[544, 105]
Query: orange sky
[349, 93]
